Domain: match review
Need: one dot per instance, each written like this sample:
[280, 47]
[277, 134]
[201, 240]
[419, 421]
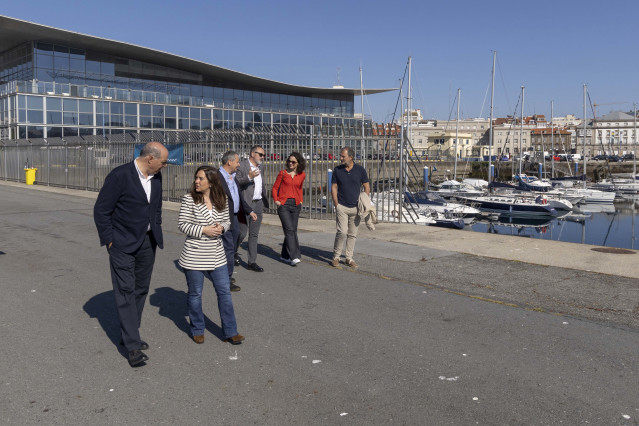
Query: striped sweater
[201, 252]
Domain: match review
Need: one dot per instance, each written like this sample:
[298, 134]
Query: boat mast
[490, 135]
[521, 128]
[584, 145]
[361, 92]
[457, 132]
[552, 141]
[634, 155]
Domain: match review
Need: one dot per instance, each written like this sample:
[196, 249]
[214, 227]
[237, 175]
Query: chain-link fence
[83, 162]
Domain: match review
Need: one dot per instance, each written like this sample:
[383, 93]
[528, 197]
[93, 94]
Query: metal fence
[83, 162]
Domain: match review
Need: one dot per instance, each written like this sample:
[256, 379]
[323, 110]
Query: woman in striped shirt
[204, 216]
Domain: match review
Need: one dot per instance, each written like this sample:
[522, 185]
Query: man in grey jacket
[253, 192]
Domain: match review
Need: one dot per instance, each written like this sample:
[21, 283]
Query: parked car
[629, 156]
[614, 158]
[600, 157]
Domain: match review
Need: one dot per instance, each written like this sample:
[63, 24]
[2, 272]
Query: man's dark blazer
[243, 205]
[122, 213]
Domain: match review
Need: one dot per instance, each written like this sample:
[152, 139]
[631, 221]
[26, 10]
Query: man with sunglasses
[253, 192]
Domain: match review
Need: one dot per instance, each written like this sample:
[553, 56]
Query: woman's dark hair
[216, 192]
[301, 162]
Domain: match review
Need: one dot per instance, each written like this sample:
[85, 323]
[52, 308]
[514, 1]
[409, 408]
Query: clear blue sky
[551, 47]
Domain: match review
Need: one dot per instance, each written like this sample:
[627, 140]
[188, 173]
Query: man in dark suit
[128, 215]
[230, 238]
[253, 193]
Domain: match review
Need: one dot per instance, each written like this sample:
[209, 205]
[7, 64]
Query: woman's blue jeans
[220, 278]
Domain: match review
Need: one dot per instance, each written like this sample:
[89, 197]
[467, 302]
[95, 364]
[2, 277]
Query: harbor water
[610, 225]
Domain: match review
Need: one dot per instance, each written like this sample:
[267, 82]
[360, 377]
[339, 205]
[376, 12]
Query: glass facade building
[78, 85]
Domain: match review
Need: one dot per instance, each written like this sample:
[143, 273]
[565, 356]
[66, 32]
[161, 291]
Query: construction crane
[606, 103]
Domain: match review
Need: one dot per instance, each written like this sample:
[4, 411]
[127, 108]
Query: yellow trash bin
[29, 175]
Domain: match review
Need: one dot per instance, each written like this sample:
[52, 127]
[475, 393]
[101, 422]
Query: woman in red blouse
[287, 193]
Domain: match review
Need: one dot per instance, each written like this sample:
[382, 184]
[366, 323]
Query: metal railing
[83, 162]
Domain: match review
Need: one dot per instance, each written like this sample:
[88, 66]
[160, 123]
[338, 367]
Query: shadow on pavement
[102, 307]
[172, 305]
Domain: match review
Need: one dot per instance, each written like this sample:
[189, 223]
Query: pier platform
[436, 326]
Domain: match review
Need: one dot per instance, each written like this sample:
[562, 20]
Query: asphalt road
[413, 337]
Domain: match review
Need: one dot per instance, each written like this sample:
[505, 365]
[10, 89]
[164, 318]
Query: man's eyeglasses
[261, 154]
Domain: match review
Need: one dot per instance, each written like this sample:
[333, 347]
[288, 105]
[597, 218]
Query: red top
[286, 187]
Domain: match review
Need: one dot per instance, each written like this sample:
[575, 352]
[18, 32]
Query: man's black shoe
[137, 357]
[235, 287]
[254, 267]
[143, 345]
[232, 280]
[237, 261]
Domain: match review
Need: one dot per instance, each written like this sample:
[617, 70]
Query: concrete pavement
[409, 338]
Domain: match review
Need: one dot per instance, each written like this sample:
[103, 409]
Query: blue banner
[176, 153]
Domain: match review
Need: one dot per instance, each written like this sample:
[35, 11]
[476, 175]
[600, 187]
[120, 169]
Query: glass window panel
[183, 123]
[170, 111]
[34, 116]
[54, 117]
[158, 122]
[61, 63]
[76, 64]
[76, 53]
[158, 110]
[54, 132]
[131, 109]
[130, 120]
[70, 104]
[35, 132]
[22, 101]
[184, 112]
[92, 67]
[107, 68]
[70, 131]
[207, 92]
[86, 131]
[145, 122]
[206, 124]
[99, 120]
[145, 109]
[70, 118]
[85, 106]
[196, 90]
[170, 123]
[218, 94]
[195, 124]
[228, 95]
[34, 102]
[116, 108]
[22, 132]
[116, 120]
[60, 49]
[45, 47]
[195, 113]
[44, 61]
[205, 114]
[22, 116]
[86, 119]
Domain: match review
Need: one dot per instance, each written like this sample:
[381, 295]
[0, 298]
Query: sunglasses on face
[261, 154]
[291, 162]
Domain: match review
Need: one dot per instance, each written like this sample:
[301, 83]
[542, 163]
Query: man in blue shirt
[346, 183]
[230, 239]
